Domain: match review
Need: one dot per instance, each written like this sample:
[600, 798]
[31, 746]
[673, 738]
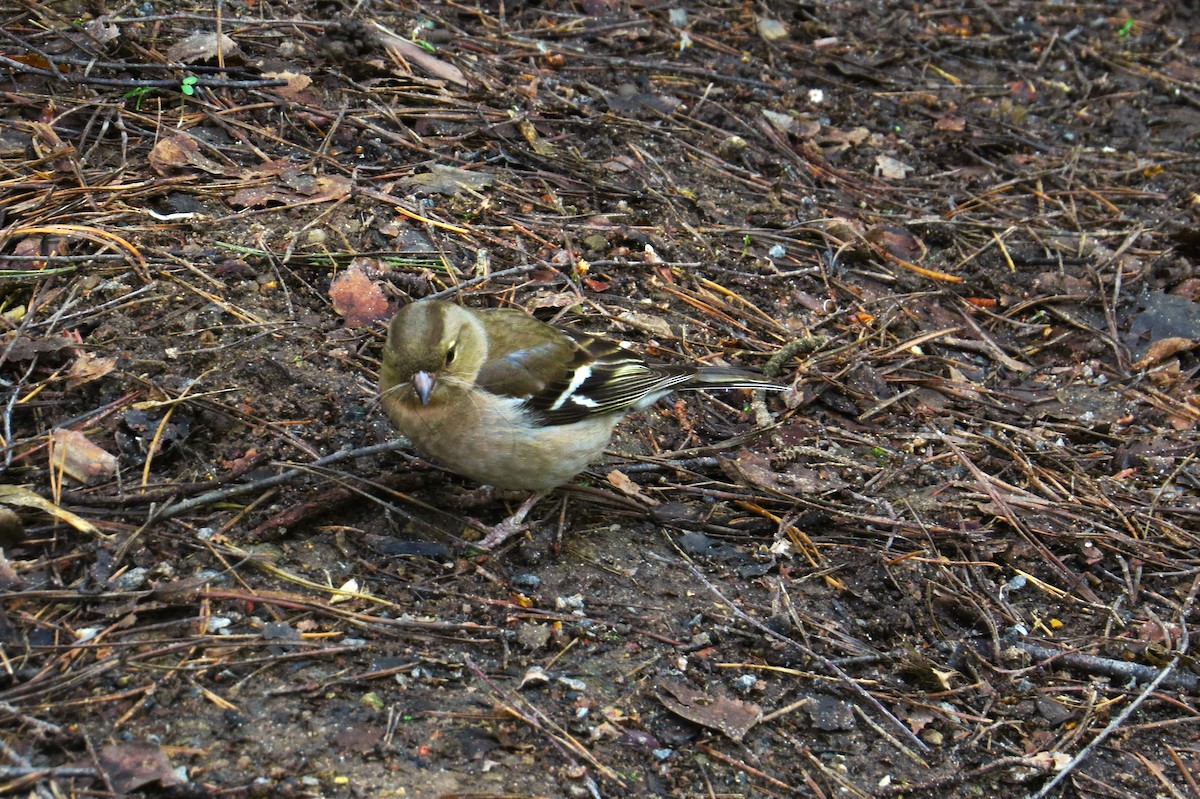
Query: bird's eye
[450, 353]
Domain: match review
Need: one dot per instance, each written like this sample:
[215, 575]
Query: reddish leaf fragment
[296, 86]
[733, 717]
[182, 152]
[79, 458]
[133, 766]
[898, 242]
[1022, 91]
[620, 481]
[950, 124]
[357, 298]
[1164, 348]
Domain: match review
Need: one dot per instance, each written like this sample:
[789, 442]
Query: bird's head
[432, 347]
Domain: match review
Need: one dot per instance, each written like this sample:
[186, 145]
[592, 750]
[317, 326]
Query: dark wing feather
[604, 379]
[570, 377]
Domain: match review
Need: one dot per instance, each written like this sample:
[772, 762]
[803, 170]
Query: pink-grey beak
[422, 383]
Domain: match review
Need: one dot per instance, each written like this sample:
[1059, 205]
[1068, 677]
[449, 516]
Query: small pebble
[527, 580]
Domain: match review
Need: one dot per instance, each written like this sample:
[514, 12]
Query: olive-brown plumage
[513, 402]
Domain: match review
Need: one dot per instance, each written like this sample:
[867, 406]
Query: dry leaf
[650, 323]
[79, 458]
[620, 481]
[897, 241]
[12, 532]
[1164, 348]
[890, 168]
[132, 766]
[733, 717]
[27, 498]
[88, 367]
[442, 179]
[782, 122]
[296, 84]
[950, 124]
[102, 31]
[771, 30]
[358, 299]
[423, 59]
[182, 152]
[203, 46]
[295, 186]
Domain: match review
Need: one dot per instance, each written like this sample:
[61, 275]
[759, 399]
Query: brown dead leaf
[918, 719]
[1022, 91]
[19, 347]
[182, 152]
[733, 717]
[653, 324]
[620, 481]
[88, 367]
[754, 470]
[297, 84]
[100, 31]
[853, 136]
[79, 458]
[357, 298]
[843, 229]
[950, 124]
[1163, 349]
[12, 532]
[449, 180]
[424, 60]
[130, 767]
[295, 186]
[897, 241]
[202, 46]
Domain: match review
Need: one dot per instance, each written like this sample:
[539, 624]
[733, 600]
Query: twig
[1124, 715]
[537, 723]
[824, 661]
[126, 83]
[173, 509]
[1094, 664]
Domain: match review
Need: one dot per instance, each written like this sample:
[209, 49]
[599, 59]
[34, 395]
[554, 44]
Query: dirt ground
[958, 557]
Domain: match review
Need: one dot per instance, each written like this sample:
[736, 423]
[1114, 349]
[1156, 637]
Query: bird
[507, 400]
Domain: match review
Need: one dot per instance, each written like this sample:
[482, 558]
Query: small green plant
[188, 85]
[1126, 29]
[137, 94]
[745, 244]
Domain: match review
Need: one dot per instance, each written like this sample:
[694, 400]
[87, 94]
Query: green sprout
[137, 94]
[188, 85]
[1126, 28]
[745, 244]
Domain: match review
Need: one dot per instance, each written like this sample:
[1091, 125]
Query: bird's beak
[422, 383]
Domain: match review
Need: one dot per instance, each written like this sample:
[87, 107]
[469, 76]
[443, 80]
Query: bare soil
[959, 556]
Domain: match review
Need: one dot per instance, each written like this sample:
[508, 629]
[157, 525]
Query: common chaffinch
[510, 401]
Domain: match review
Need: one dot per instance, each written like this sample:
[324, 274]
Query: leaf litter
[959, 555]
